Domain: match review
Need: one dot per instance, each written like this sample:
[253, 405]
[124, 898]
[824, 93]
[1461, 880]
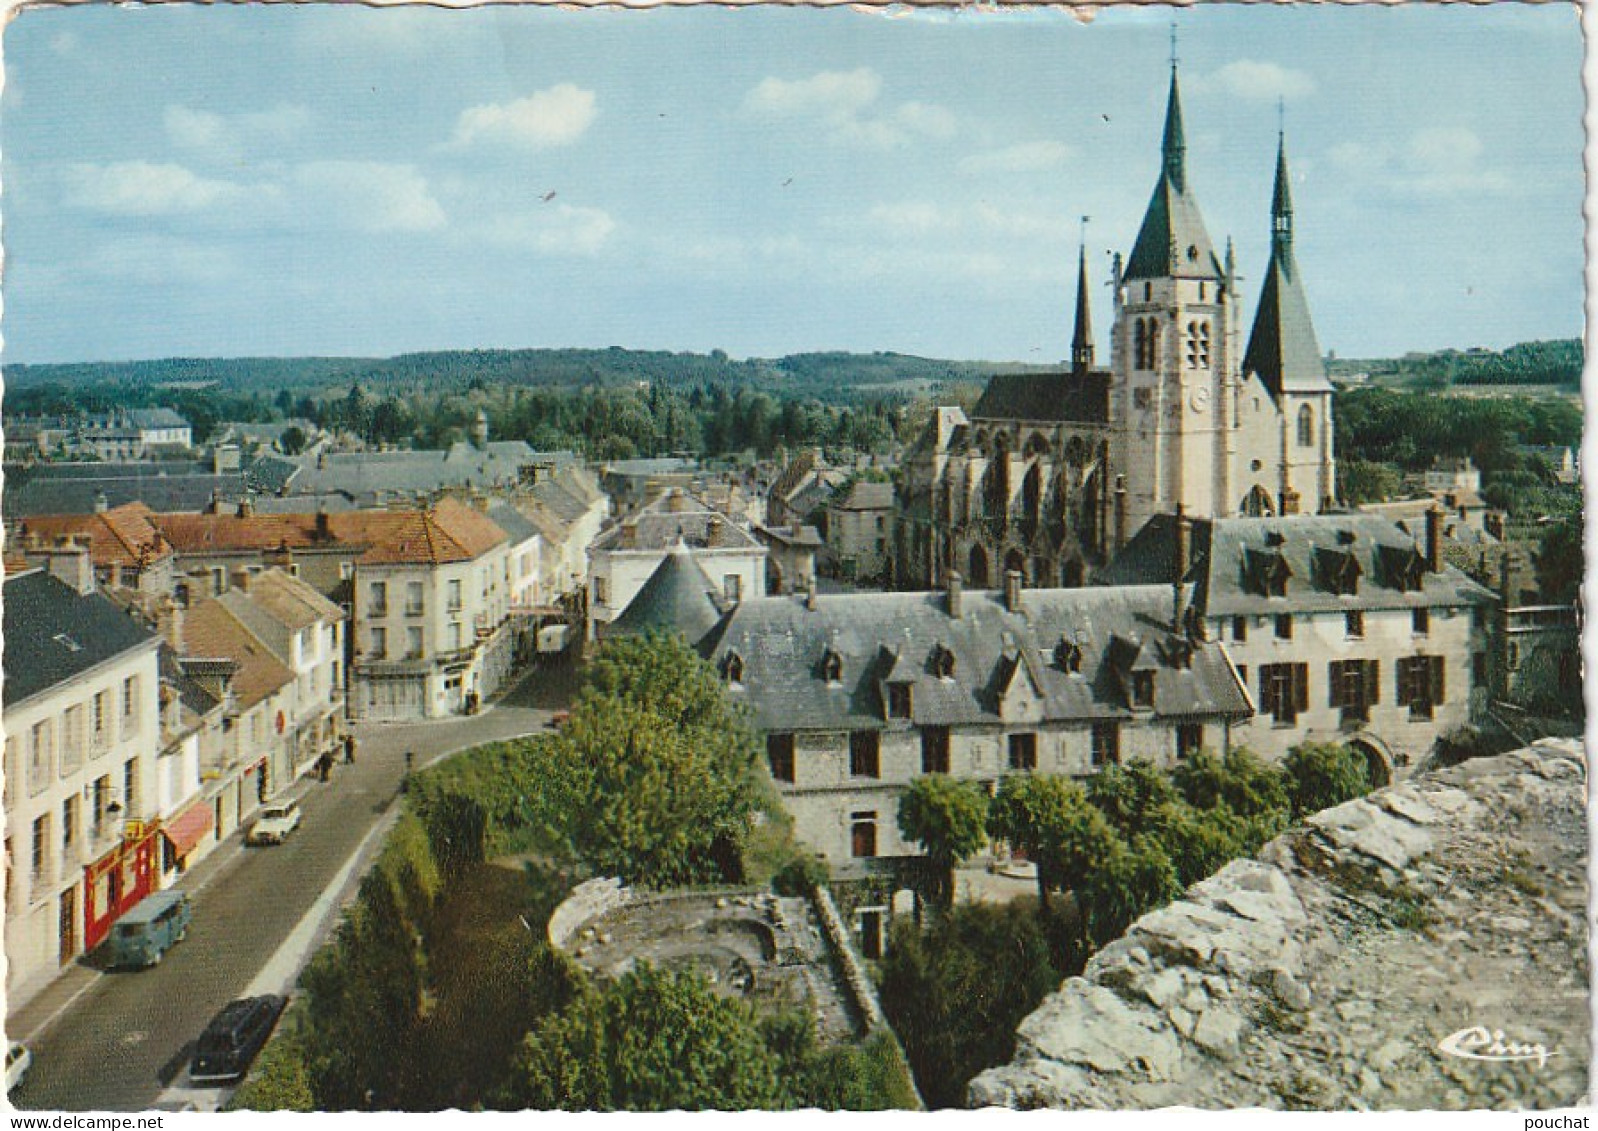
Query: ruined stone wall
[1366, 959]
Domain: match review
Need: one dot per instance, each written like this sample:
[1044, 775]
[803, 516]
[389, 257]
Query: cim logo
[1480, 1043]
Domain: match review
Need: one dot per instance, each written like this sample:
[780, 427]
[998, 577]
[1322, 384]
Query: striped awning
[185, 831]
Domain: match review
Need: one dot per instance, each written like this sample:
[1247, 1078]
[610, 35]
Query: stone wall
[1365, 960]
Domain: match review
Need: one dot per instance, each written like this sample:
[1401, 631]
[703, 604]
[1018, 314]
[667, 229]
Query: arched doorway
[1257, 503]
[1072, 574]
[1015, 560]
[773, 578]
[1377, 763]
[977, 575]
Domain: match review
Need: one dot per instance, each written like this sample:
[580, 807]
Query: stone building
[1344, 628]
[856, 695]
[622, 559]
[1053, 472]
[82, 734]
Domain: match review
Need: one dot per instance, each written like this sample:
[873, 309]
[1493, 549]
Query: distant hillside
[823, 375]
[1556, 362]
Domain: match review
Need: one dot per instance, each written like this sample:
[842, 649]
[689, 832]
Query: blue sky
[307, 179]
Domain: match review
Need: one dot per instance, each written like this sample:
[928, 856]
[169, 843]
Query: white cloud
[543, 120]
[233, 137]
[833, 96]
[1438, 161]
[845, 104]
[1256, 80]
[142, 188]
[369, 196]
[1028, 157]
[561, 230]
[913, 218]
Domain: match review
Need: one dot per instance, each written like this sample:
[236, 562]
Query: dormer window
[1142, 689]
[900, 698]
[832, 667]
[734, 669]
[942, 662]
[1068, 655]
[1266, 572]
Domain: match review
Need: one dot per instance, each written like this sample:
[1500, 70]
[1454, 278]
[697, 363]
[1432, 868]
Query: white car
[18, 1061]
[275, 823]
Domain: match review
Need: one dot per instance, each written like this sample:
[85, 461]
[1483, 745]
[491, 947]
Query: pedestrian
[349, 750]
[324, 767]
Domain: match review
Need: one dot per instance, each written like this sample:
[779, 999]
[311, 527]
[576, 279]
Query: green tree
[1028, 811]
[948, 819]
[653, 778]
[1126, 881]
[956, 993]
[653, 1040]
[1560, 564]
[292, 441]
[1240, 780]
[1202, 841]
[1322, 774]
[1129, 794]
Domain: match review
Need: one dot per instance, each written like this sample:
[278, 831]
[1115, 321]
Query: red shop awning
[185, 831]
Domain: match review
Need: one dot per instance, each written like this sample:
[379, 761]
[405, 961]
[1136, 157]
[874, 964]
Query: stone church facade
[1051, 473]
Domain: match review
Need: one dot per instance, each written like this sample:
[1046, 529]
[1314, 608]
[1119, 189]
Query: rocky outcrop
[1412, 949]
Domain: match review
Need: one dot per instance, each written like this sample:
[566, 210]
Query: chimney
[241, 579]
[1434, 539]
[246, 506]
[169, 623]
[952, 587]
[1493, 523]
[101, 503]
[69, 562]
[810, 593]
[1012, 590]
[324, 527]
[1120, 511]
[713, 532]
[215, 505]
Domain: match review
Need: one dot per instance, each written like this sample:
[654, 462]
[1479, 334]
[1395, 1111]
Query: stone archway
[1378, 762]
[1072, 574]
[1015, 560]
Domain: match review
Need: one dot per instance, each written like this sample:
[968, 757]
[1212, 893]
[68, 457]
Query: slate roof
[866, 495]
[290, 601]
[156, 418]
[1172, 240]
[53, 633]
[1282, 348]
[801, 535]
[121, 536]
[517, 527]
[1221, 549]
[366, 475]
[674, 516]
[46, 494]
[1067, 397]
[678, 597]
[782, 643]
[196, 699]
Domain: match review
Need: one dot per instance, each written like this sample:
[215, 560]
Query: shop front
[116, 882]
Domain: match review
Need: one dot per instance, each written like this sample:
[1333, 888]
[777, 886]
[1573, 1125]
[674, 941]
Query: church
[1051, 473]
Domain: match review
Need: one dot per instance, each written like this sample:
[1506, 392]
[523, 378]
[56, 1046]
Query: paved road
[127, 1036]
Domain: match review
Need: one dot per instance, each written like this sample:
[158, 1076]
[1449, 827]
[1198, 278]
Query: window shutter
[1334, 683]
[1267, 690]
[1301, 686]
[1437, 680]
[1373, 683]
[1401, 682]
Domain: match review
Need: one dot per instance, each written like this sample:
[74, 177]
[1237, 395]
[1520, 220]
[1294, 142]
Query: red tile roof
[121, 536]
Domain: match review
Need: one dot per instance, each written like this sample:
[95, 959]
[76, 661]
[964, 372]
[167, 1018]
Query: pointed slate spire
[1282, 348]
[1082, 339]
[1172, 241]
[1174, 147]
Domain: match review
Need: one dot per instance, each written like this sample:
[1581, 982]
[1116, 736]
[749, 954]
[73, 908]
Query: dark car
[232, 1039]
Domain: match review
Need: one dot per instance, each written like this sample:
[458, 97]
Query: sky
[233, 180]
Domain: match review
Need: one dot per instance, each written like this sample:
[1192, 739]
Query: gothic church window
[1198, 345]
[1306, 427]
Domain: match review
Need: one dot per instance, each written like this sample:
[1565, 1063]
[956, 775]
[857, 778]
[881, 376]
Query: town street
[120, 1040]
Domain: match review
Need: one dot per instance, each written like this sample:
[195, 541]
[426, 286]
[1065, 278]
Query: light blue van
[143, 935]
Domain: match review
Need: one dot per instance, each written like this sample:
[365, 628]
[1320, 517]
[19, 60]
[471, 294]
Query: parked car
[18, 1061]
[275, 823]
[157, 922]
[231, 1041]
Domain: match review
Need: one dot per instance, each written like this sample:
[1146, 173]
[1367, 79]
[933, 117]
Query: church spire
[1174, 147]
[1172, 242]
[1082, 339]
[1281, 200]
[1282, 349]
